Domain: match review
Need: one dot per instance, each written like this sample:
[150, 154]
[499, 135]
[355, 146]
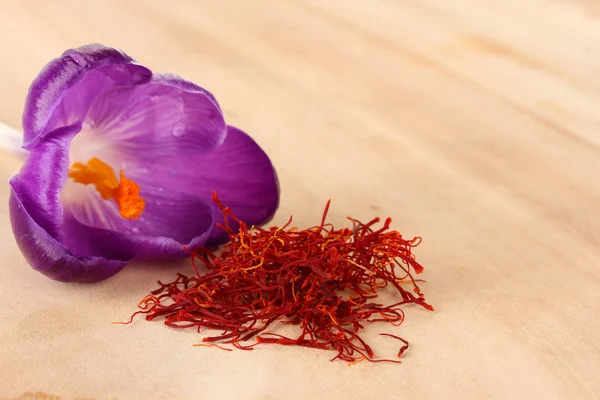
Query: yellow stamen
[125, 193]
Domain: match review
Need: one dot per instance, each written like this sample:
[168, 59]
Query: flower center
[125, 193]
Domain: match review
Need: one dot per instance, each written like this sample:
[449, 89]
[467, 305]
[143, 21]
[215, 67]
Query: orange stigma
[125, 193]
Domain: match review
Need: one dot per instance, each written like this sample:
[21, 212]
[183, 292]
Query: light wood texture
[474, 124]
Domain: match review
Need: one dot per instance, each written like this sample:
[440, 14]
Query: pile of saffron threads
[322, 279]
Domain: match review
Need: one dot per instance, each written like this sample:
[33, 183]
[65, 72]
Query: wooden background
[475, 124]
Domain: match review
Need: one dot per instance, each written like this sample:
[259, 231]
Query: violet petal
[238, 170]
[156, 121]
[62, 93]
[170, 221]
[174, 80]
[42, 178]
[48, 256]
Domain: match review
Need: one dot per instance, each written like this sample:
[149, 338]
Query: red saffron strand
[211, 345]
[403, 348]
[321, 278]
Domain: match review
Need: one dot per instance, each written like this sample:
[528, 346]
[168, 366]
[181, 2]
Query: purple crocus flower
[122, 164]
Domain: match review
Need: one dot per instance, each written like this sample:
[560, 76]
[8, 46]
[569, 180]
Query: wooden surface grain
[474, 124]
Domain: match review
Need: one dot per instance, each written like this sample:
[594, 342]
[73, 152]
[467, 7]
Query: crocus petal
[170, 222]
[157, 120]
[63, 92]
[238, 170]
[36, 215]
[48, 256]
[42, 178]
[177, 81]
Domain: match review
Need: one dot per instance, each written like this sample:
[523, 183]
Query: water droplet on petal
[178, 129]
[87, 124]
[158, 203]
[137, 77]
[154, 97]
[161, 189]
[135, 230]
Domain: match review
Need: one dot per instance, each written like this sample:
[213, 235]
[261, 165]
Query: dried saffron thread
[211, 345]
[320, 279]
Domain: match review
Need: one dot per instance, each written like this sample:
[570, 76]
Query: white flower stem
[11, 140]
